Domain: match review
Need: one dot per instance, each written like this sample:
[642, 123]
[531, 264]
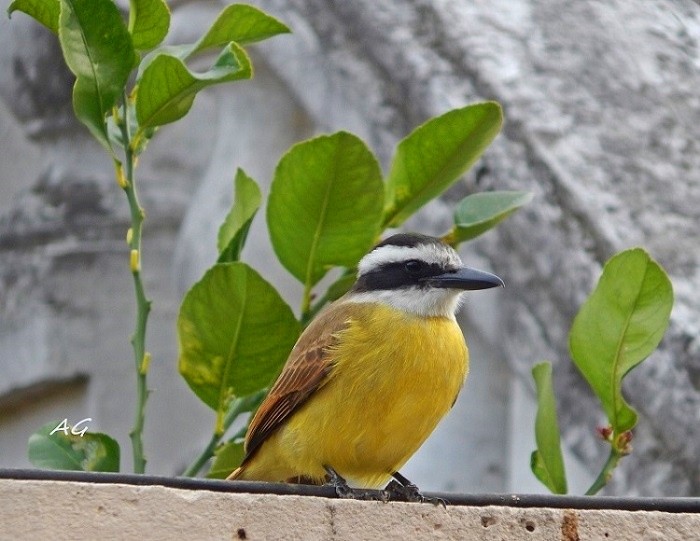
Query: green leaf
[435, 155]
[226, 459]
[325, 205]
[237, 23]
[44, 11]
[240, 23]
[149, 21]
[547, 462]
[167, 87]
[68, 450]
[619, 325]
[477, 213]
[234, 231]
[98, 50]
[235, 332]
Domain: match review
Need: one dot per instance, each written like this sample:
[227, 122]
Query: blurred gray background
[602, 124]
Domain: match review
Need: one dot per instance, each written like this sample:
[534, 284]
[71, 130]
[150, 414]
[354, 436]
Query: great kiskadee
[372, 375]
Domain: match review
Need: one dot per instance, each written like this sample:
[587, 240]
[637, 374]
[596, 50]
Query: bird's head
[418, 274]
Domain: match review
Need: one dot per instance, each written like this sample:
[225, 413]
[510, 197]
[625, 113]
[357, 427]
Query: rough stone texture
[602, 124]
[83, 511]
[67, 297]
[66, 302]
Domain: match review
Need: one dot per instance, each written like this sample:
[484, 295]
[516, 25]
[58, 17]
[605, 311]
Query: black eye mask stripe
[396, 276]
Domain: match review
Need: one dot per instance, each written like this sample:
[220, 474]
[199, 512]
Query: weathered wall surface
[602, 124]
[66, 299]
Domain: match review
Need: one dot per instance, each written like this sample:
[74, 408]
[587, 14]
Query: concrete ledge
[71, 510]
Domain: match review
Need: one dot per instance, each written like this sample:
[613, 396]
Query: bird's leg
[342, 489]
[338, 483]
[401, 489]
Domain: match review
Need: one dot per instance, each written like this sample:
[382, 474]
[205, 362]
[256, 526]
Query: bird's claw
[342, 490]
[396, 490]
[410, 493]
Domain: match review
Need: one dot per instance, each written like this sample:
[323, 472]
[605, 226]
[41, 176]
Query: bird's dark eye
[413, 266]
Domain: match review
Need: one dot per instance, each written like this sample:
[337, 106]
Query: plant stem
[605, 473]
[306, 303]
[206, 454]
[143, 305]
[310, 312]
[312, 309]
[450, 238]
[237, 407]
[234, 411]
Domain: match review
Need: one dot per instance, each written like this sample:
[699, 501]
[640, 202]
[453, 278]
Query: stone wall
[602, 124]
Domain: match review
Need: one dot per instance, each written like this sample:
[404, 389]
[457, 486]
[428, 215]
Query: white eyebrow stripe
[430, 253]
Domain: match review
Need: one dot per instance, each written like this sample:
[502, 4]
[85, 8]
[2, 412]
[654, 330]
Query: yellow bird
[371, 376]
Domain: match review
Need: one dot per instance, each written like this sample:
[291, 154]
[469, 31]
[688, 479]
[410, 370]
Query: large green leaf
[68, 449]
[619, 325]
[546, 461]
[479, 212]
[226, 459]
[240, 23]
[325, 205]
[149, 21]
[435, 155]
[98, 50]
[237, 23]
[234, 231]
[235, 332]
[44, 11]
[167, 87]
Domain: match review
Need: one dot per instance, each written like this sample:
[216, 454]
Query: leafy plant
[619, 326]
[328, 204]
[106, 53]
[69, 449]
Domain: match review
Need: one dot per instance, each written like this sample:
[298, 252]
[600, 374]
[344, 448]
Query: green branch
[127, 181]
[238, 407]
[606, 473]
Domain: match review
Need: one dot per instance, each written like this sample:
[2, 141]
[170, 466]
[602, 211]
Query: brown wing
[306, 370]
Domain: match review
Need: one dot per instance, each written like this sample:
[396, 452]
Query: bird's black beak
[465, 278]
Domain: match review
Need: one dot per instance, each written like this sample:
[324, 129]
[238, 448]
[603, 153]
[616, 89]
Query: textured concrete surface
[34, 510]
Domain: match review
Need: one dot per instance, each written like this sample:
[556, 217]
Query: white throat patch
[423, 302]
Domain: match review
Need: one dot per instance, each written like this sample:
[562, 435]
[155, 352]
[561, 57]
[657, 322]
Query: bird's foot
[402, 490]
[342, 489]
